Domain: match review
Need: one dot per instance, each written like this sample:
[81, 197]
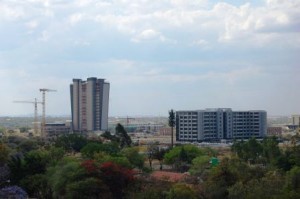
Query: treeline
[112, 167]
[70, 167]
[256, 170]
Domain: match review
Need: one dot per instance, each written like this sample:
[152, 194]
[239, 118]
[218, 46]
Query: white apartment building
[296, 120]
[89, 104]
[217, 124]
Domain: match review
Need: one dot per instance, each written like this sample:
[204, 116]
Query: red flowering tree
[90, 166]
[117, 178]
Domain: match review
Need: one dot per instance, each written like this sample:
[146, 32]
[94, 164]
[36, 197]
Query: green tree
[121, 133]
[16, 166]
[159, 155]
[66, 172]
[248, 151]
[110, 148]
[3, 154]
[152, 149]
[37, 186]
[28, 145]
[186, 153]
[271, 150]
[295, 156]
[88, 188]
[55, 154]
[132, 154]
[180, 191]
[210, 151]
[91, 148]
[183, 156]
[240, 190]
[219, 180]
[253, 149]
[199, 165]
[35, 162]
[102, 157]
[172, 125]
[72, 142]
[109, 136]
[293, 180]
[180, 157]
[269, 186]
[234, 173]
[14, 141]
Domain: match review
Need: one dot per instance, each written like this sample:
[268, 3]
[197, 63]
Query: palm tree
[172, 124]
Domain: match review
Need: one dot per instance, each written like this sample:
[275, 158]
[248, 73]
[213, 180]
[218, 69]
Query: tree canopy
[121, 133]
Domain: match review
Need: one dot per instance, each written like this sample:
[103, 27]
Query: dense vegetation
[110, 166]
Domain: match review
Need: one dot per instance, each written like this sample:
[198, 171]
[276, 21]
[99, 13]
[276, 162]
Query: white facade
[217, 124]
[89, 104]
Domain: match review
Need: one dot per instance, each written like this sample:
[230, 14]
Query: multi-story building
[274, 131]
[54, 130]
[296, 120]
[89, 104]
[217, 124]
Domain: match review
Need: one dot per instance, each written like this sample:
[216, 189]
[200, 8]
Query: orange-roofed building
[169, 176]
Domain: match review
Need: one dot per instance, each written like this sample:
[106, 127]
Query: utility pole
[44, 90]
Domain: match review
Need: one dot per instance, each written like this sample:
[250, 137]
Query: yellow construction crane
[35, 103]
[44, 90]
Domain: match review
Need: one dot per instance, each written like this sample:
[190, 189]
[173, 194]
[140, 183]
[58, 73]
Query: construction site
[39, 126]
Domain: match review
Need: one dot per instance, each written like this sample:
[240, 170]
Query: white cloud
[187, 3]
[257, 24]
[75, 18]
[149, 35]
[94, 37]
[200, 42]
[32, 24]
[282, 3]
[81, 43]
[10, 12]
[83, 3]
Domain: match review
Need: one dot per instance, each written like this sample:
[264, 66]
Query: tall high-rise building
[217, 124]
[89, 104]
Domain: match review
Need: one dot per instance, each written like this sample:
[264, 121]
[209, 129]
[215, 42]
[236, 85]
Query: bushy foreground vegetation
[111, 167]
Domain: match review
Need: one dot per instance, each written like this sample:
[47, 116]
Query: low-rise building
[56, 129]
[221, 123]
[274, 131]
[166, 131]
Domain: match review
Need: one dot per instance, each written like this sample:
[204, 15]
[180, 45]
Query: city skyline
[156, 55]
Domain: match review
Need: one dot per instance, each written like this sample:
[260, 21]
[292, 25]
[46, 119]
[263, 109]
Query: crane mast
[127, 120]
[35, 103]
[44, 90]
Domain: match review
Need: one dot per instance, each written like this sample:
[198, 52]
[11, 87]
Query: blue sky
[157, 54]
